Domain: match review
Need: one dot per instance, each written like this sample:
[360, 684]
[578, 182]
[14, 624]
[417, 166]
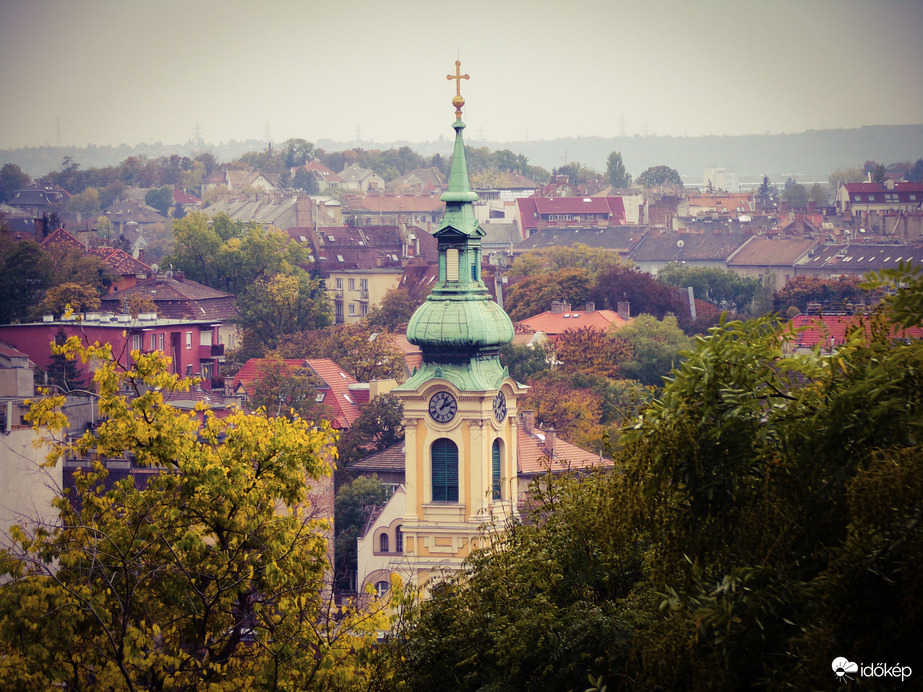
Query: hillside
[813, 154]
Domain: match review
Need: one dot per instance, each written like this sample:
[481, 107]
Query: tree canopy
[212, 575]
[763, 519]
[655, 176]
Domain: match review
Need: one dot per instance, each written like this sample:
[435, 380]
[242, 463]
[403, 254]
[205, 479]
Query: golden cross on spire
[458, 101]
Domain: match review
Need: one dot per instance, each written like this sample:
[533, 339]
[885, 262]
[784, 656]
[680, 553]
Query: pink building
[193, 345]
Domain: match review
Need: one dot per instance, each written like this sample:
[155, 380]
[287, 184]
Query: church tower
[460, 413]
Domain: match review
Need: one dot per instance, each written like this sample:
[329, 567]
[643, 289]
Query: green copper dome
[459, 328]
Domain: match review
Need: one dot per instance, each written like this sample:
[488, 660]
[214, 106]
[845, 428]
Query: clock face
[500, 407]
[442, 407]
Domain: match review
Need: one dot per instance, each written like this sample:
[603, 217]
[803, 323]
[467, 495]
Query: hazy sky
[114, 71]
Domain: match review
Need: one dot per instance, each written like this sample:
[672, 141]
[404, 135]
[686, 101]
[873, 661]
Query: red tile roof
[534, 458]
[120, 261]
[62, 236]
[556, 323]
[830, 330]
[342, 405]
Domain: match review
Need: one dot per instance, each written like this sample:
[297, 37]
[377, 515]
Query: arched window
[398, 540]
[495, 471]
[383, 543]
[381, 588]
[445, 471]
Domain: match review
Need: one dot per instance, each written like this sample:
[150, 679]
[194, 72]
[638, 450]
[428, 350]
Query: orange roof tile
[534, 458]
[556, 323]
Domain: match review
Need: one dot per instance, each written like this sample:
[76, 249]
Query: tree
[394, 311]
[534, 294]
[210, 576]
[304, 181]
[524, 361]
[577, 173]
[283, 391]
[138, 303]
[829, 293]
[286, 303]
[795, 195]
[763, 520]
[359, 349]
[79, 297]
[643, 292]
[25, 274]
[723, 288]
[355, 501]
[85, 204]
[12, 179]
[655, 176]
[570, 411]
[160, 198]
[379, 426]
[577, 256]
[655, 348]
[591, 350]
[915, 174]
[63, 371]
[766, 194]
[297, 152]
[616, 175]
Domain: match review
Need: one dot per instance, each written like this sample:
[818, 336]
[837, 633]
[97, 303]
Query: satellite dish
[680, 243]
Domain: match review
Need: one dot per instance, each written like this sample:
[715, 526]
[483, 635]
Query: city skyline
[106, 73]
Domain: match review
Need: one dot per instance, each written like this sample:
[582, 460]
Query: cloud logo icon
[841, 666]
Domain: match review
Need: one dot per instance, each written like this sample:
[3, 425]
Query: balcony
[207, 352]
[363, 296]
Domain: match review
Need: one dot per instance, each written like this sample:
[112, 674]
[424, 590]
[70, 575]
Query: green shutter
[445, 471]
[496, 471]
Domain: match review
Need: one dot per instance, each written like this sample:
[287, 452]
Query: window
[338, 308]
[474, 266]
[352, 284]
[352, 308]
[205, 337]
[188, 339]
[363, 284]
[160, 341]
[153, 342]
[364, 309]
[495, 472]
[381, 588]
[445, 471]
[399, 539]
[136, 342]
[383, 543]
[339, 284]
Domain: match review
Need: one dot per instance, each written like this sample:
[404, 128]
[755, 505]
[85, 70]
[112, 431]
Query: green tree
[655, 176]
[79, 297]
[590, 350]
[656, 347]
[534, 294]
[297, 152]
[86, 204]
[212, 575]
[286, 303]
[354, 503]
[524, 361]
[379, 426]
[303, 180]
[364, 352]
[283, 391]
[394, 310]
[766, 194]
[795, 195]
[12, 179]
[25, 274]
[616, 175]
[829, 293]
[160, 198]
[723, 288]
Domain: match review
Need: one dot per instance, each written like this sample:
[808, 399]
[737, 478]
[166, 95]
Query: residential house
[192, 344]
[377, 210]
[126, 269]
[539, 213]
[829, 332]
[656, 250]
[241, 181]
[422, 181]
[176, 297]
[38, 200]
[185, 201]
[760, 257]
[338, 392]
[278, 209]
[358, 179]
[856, 259]
[723, 203]
[27, 488]
[620, 239]
[859, 199]
[325, 178]
[562, 318]
[356, 291]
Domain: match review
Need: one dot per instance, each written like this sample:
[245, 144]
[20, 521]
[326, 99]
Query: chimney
[178, 275]
[549, 442]
[559, 306]
[590, 307]
[528, 421]
[624, 309]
